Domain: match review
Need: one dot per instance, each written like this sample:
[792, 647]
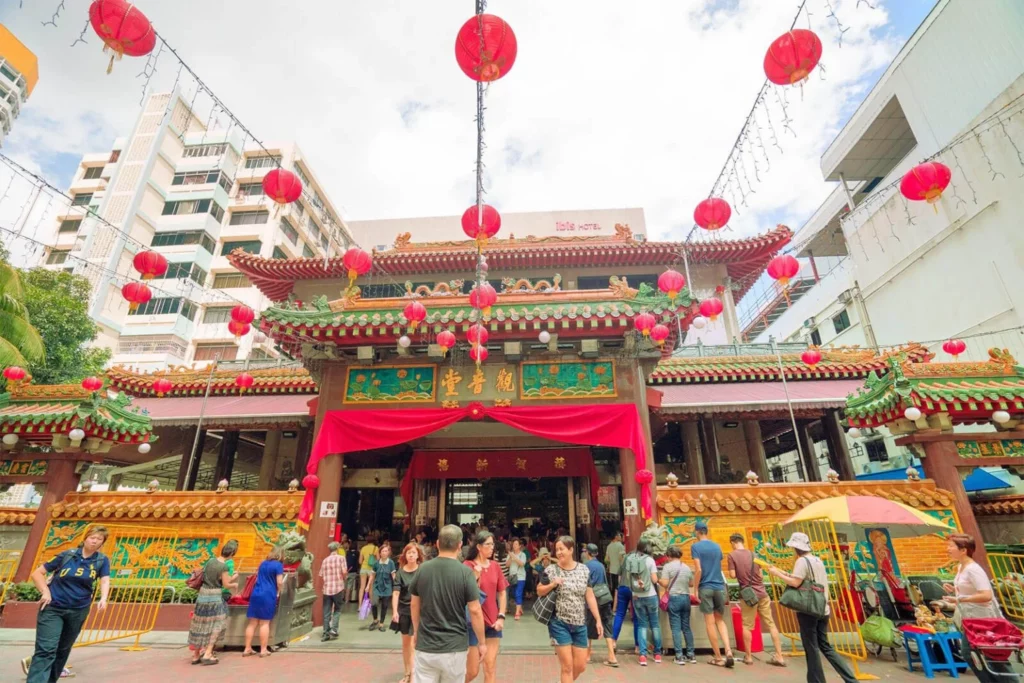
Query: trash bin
[737, 627]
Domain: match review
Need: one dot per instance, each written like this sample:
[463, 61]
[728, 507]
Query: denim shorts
[712, 600]
[488, 634]
[568, 634]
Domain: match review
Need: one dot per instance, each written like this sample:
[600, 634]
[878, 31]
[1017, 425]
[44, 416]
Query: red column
[320, 528]
[634, 524]
[61, 480]
[940, 464]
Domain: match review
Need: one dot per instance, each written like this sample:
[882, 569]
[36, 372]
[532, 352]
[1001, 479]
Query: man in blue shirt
[598, 576]
[710, 583]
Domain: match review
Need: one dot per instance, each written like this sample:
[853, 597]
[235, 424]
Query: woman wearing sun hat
[813, 629]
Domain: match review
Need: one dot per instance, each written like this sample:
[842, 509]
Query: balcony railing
[700, 350]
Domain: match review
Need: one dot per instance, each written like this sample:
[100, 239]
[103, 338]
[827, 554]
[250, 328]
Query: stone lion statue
[293, 547]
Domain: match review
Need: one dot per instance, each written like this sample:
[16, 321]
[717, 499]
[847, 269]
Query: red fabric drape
[615, 425]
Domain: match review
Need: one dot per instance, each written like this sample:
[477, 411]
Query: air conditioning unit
[846, 297]
[809, 323]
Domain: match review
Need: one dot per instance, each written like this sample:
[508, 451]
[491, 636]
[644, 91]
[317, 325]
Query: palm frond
[10, 355]
[10, 281]
[11, 305]
[19, 333]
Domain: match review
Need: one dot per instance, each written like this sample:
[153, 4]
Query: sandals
[614, 665]
[249, 653]
[748, 662]
[777, 661]
[729, 662]
[265, 654]
[717, 662]
[209, 662]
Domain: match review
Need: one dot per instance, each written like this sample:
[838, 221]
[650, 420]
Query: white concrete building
[193, 195]
[19, 73]
[882, 270]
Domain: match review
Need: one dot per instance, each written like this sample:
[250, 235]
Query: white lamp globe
[1000, 416]
[145, 448]
[544, 337]
[700, 322]
[76, 434]
[853, 433]
[404, 341]
[912, 413]
[10, 439]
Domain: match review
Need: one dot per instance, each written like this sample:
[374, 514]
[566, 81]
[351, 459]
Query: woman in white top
[975, 599]
[813, 630]
[517, 573]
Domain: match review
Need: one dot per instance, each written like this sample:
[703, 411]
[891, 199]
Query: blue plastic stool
[924, 653]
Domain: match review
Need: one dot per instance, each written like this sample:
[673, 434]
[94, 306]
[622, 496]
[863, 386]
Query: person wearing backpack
[211, 611]
[65, 602]
[641, 573]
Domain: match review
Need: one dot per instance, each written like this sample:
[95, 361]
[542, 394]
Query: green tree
[58, 306]
[20, 342]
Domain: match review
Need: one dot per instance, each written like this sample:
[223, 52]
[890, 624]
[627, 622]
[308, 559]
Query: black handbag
[544, 606]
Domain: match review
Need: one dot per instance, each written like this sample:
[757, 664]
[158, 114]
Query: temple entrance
[521, 504]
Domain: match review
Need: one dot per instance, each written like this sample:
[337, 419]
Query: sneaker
[691, 659]
[643, 660]
[657, 659]
[25, 664]
[67, 673]
[680, 661]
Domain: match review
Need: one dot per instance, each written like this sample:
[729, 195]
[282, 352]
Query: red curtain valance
[549, 462]
[614, 425]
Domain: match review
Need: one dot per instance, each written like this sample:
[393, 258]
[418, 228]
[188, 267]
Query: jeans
[625, 598]
[679, 621]
[57, 629]
[332, 611]
[814, 636]
[647, 618]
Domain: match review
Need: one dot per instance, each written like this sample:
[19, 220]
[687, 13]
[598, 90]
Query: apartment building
[193, 195]
[19, 73]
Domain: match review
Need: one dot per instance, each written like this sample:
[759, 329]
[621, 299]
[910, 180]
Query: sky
[609, 104]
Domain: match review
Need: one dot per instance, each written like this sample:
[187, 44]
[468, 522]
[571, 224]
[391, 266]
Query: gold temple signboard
[1007, 448]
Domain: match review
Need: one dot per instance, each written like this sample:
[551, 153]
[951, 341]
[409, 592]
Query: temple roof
[39, 412]
[188, 381]
[125, 505]
[967, 392]
[745, 258]
[16, 515]
[520, 315]
[1002, 505]
[839, 363]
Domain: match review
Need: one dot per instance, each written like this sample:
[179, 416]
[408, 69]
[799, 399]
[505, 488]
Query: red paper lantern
[644, 477]
[446, 340]
[283, 186]
[477, 335]
[926, 182]
[482, 297]
[14, 373]
[123, 28]
[711, 308]
[782, 268]
[162, 386]
[671, 283]
[479, 230]
[478, 354]
[659, 333]
[811, 357]
[476, 410]
[136, 293]
[244, 381]
[310, 482]
[415, 313]
[92, 384]
[150, 264]
[238, 329]
[357, 262]
[485, 48]
[792, 56]
[243, 314]
[954, 347]
[644, 323]
[712, 213]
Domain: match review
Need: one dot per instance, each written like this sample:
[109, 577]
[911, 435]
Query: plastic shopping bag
[365, 608]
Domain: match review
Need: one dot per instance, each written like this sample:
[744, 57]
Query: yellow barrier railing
[1008, 581]
[9, 560]
[843, 626]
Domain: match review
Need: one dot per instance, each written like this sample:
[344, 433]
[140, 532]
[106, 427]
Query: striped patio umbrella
[852, 514]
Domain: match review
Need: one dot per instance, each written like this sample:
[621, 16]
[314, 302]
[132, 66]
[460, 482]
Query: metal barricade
[1008, 581]
[843, 626]
[9, 561]
[772, 549]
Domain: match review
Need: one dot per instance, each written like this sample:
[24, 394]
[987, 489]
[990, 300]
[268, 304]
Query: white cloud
[609, 104]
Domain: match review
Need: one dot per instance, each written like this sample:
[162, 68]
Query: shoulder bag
[663, 600]
[544, 606]
[602, 593]
[808, 597]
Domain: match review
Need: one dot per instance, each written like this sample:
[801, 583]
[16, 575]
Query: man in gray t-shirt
[441, 591]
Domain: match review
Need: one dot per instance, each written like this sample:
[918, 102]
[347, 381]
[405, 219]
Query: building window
[279, 254]
[250, 189]
[263, 161]
[777, 474]
[841, 321]
[57, 257]
[324, 243]
[291, 233]
[216, 352]
[249, 217]
[306, 251]
[92, 173]
[601, 281]
[81, 199]
[70, 225]
[175, 239]
[876, 450]
[816, 337]
[192, 151]
[114, 156]
[167, 306]
[203, 178]
[302, 175]
[230, 281]
[187, 269]
[248, 246]
[217, 315]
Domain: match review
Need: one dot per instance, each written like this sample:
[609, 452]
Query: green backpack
[638, 574]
